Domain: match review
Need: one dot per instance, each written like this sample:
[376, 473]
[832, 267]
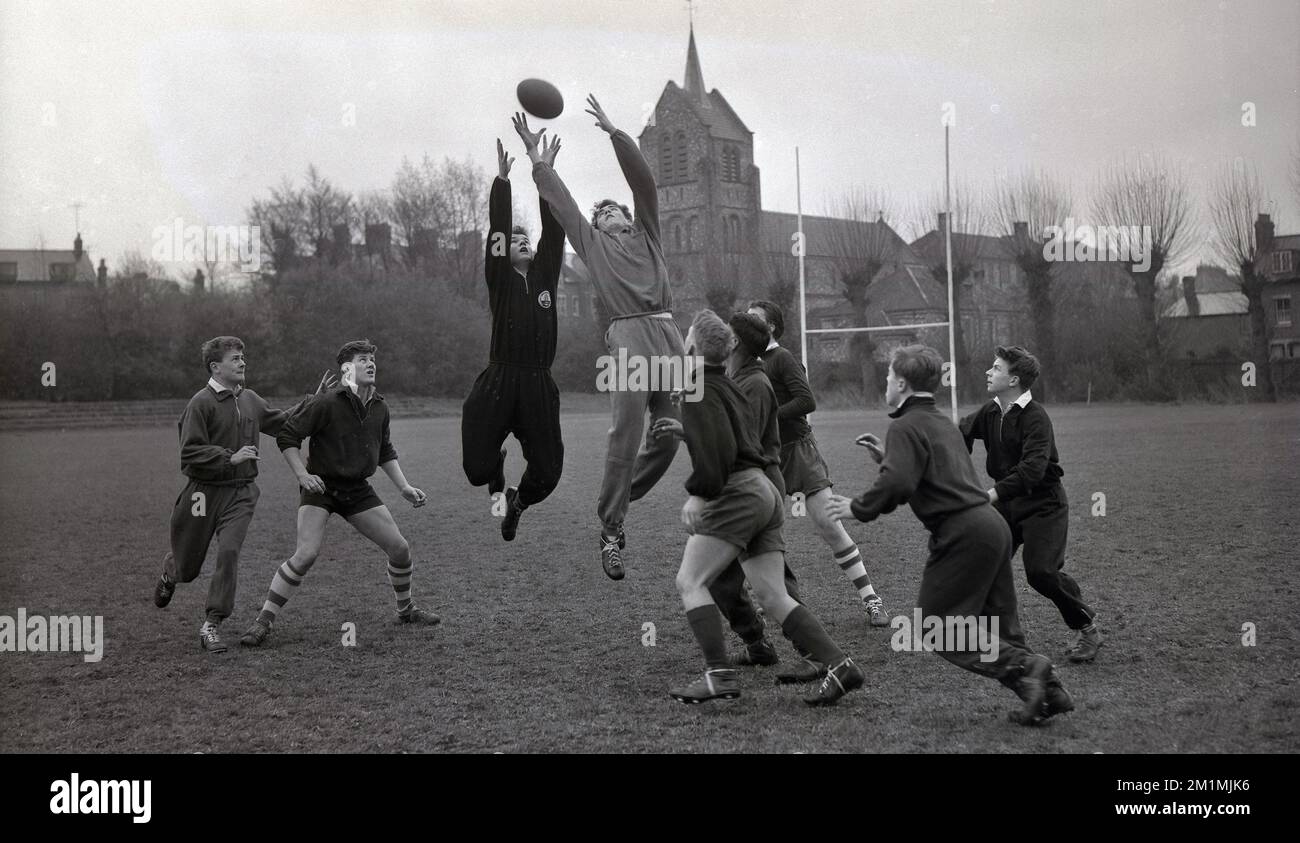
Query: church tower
[702, 156]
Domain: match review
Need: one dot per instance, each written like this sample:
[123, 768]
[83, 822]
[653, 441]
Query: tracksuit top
[523, 307]
[719, 434]
[926, 465]
[1022, 458]
[349, 439]
[627, 268]
[793, 394]
[216, 424]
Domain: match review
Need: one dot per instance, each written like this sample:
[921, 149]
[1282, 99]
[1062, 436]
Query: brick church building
[723, 249]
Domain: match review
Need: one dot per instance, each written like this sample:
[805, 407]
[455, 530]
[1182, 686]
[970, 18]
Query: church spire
[694, 76]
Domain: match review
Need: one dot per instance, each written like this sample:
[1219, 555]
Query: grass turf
[539, 652]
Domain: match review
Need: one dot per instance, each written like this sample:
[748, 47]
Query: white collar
[771, 345]
[1022, 402]
[219, 387]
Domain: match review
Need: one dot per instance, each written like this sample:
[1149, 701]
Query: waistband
[654, 314]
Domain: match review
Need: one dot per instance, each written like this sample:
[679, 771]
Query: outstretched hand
[873, 445]
[503, 162]
[529, 137]
[838, 508]
[550, 148]
[327, 381]
[602, 119]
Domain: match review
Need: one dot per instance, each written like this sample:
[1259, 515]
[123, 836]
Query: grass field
[539, 652]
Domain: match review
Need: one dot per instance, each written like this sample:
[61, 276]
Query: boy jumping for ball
[629, 273]
[348, 429]
[924, 463]
[515, 393]
[1027, 491]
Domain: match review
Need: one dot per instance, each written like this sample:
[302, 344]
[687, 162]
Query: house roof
[1210, 304]
[1289, 242]
[826, 237]
[34, 264]
[974, 246]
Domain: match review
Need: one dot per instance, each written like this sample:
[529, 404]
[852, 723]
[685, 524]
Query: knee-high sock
[706, 623]
[400, 579]
[284, 582]
[807, 633]
[850, 561]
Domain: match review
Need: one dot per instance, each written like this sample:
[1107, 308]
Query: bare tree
[967, 219]
[1236, 199]
[1148, 193]
[327, 207]
[282, 221]
[861, 241]
[462, 207]
[1025, 208]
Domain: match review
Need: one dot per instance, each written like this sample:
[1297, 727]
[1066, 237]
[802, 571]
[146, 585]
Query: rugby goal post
[804, 330]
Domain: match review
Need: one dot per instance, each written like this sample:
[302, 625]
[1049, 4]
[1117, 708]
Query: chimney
[198, 281]
[77, 251]
[943, 221]
[1189, 295]
[1263, 235]
[102, 275]
[1021, 230]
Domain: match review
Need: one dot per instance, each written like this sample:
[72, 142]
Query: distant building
[1210, 319]
[1280, 260]
[47, 267]
[722, 246]
[993, 300]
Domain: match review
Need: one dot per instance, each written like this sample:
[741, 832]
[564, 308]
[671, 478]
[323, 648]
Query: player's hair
[712, 336]
[519, 229]
[595, 209]
[919, 365]
[214, 350]
[353, 348]
[775, 317]
[751, 331]
[1020, 363]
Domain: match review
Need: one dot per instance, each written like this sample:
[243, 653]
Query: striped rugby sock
[400, 579]
[286, 579]
[850, 562]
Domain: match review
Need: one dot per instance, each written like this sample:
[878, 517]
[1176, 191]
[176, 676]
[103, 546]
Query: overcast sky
[149, 111]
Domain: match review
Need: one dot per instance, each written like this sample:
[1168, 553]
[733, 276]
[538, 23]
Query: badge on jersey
[544, 298]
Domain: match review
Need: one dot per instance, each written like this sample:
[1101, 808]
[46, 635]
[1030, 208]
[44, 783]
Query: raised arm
[554, 192]
[645, 195]
[496, 264]
[550, 245]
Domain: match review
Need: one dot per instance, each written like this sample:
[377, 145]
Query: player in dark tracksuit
[924, 463]
[218, 434]
[746, 368]
[515, 393]
[805, 470]
[1022, 460]
[735, 510]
